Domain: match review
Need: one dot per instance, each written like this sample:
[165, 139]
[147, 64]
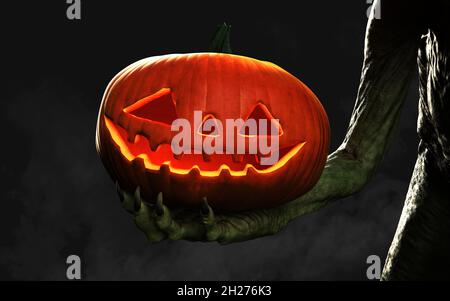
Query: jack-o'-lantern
[141, 103]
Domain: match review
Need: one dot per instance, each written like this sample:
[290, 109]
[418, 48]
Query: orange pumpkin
[140, 103]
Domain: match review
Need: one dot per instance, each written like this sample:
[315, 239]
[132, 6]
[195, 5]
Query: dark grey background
[58, 200]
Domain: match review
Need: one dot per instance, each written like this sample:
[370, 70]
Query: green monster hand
[158, 222]
[387, 70]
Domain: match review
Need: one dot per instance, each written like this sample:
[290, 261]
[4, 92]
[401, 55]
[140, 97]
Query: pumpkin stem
[221, 40]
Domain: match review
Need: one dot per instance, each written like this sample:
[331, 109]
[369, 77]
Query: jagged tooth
[237, 158]
[139, 164]
[153, 145]
[131, 136]
[164, 169]
[225, 172]
[178, 157]
[195, 172]
[251, 171]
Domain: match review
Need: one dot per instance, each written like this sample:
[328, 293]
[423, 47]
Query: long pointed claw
[207, 213]
[137, 199]
[144, 221]
[156, 220]
[165, 222]
[209, 221]
[159, 208]
[128, 201]
[132, 202]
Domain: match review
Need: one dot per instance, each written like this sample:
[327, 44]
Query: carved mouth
[205, 165]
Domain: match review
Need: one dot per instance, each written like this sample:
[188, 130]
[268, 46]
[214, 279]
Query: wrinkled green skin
[391, 50]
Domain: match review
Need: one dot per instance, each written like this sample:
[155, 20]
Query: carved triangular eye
[261, 113]
[209, 127]
[158, 107]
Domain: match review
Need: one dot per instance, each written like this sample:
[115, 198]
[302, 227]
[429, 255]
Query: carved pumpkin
[141, 102]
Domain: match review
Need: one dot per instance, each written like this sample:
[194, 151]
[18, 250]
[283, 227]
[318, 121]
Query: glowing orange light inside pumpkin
[163, 156]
